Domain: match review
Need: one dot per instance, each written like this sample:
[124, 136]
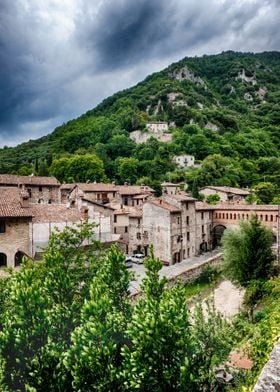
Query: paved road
[170, 271]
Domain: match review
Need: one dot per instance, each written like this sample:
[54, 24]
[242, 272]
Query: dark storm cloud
[59, 58]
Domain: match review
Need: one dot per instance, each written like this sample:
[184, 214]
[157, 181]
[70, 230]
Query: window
[98, 196]
[138, 236]
[40, 188]
[125, 201]
[230, 216]
[271, 218]
[115, 230]
[220, 215]
[178, 220]
[202, 215]
[125, 229]
[234, 216]
[202, 229]
[139, 221]
[226, 216]
[223, 216]
[115, 218]
[238, 216]
[266, 218]
[261, 217]
[187, 206]
[188, 235]
[3, 260]
[29, 191]
[2, 227]
[188, 220]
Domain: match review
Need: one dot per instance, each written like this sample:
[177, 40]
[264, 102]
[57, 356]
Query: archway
[218, 232]
[3, 260]
[18, 258]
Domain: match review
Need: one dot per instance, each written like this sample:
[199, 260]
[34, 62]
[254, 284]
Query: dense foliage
[247, 252]
[67, 324]
[242, 148]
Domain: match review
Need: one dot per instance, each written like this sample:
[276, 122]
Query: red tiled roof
[10, 179]
[67, 186]
[97, 187]
[164, 204]
[228, 189]
[10, 205]
[54, 213]
[134, 189]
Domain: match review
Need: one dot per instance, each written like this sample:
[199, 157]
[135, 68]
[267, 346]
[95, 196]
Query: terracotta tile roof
[10, 179]
[97, 187]
[142, 196]
[164, 204]
[228, 189]
[10, 205]
[204, 206]
[134, 189]
[54, 213]
[67, 186]
[136, 213]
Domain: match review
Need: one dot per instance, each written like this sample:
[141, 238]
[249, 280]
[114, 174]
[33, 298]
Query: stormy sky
[60, 58]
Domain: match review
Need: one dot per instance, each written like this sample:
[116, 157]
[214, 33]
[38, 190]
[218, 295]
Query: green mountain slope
[224, 110]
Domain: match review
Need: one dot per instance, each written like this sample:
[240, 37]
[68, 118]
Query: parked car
[128, 262]
[138, 258]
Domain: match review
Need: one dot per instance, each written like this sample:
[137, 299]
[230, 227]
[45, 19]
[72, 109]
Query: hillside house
[157, 126]
[228, 194]
[184, 160]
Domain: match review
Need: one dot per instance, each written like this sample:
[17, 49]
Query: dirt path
[228, 299]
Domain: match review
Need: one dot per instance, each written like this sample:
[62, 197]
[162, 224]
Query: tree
[213, 199]
[265, 191]
[127, 169]
[78, 168]
[248, 252]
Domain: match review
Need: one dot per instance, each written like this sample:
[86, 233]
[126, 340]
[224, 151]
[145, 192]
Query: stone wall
[269, 380]
[188, 275]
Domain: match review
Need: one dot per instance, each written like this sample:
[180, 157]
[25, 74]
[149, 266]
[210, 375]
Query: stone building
[203, 225]
[170, 188]
[184, 160]
[15, 217]
[133, 195]
[99, 192]
[169, 224]
[40, 189]
[157, 126]
[226, 193]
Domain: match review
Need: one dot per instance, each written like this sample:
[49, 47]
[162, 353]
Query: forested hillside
[223, 109]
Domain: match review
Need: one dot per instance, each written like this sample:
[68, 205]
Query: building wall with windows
[14, 241]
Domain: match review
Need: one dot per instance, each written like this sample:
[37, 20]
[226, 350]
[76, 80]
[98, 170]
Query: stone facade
[15, 241]
[184, 160]
[40, 189]
[226, 193]
[157, 126]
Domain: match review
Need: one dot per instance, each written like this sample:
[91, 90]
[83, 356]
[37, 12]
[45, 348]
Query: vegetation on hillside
[230, 125]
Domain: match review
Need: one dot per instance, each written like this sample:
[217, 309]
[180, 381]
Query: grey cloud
[59, 58]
